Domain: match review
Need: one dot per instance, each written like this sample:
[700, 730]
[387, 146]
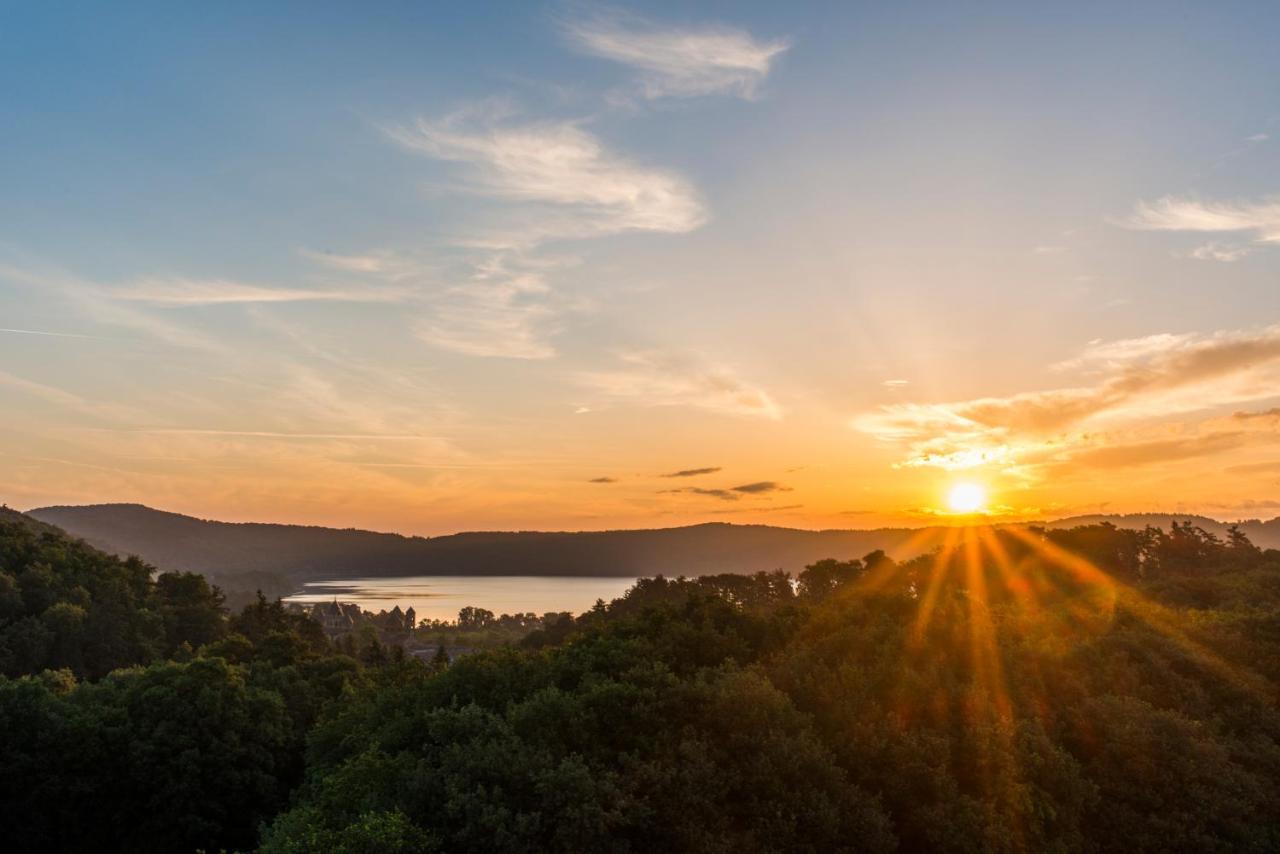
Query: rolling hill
[227, 550]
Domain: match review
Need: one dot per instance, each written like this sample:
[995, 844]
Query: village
[440, 642]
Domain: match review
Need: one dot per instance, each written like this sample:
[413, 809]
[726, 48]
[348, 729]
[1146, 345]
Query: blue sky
[428, 267]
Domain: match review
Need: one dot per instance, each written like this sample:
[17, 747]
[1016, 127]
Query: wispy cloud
[1267, 467]
[279, 434]
[677, 62]
[579, 188]
[199, 292]
[1224, 252]
[491, 304]
[370, 263]
[47, 334]
[1136, 380]
[1102, 355]
[498, 312]
[1162, 451]
[662, 379]
[603, 480]
[759, 509]
[1261, 219]
[65, 399]
[1168, 444]
[692, 472]
[94, 301]
[553, 180]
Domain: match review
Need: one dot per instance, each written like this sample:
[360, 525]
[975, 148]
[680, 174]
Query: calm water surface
[439, 597]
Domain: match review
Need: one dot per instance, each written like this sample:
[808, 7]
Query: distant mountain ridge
[227, 549]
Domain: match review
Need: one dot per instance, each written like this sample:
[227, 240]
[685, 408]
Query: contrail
[50, 334]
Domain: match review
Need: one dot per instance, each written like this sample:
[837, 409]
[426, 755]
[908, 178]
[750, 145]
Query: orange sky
[523, 271]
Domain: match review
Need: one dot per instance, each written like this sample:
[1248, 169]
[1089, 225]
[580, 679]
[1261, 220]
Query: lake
[439, 597]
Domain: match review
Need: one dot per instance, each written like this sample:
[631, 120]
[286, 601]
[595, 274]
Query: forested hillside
[247, 556]
[1087, 689]
[143, 717]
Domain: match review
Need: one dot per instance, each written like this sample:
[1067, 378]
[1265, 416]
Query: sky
[437, 267]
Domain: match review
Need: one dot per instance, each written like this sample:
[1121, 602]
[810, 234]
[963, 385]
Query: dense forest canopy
[1021, 689]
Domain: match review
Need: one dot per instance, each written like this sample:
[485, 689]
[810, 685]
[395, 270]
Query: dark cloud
[722, 494]
[761, 487]
[732, 493]
[603, 480]
[692, 472]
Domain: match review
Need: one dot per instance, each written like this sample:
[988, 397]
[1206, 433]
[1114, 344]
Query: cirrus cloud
[1136, 381]
[579, 188]
[1261, 220]
[653, 378]
[201, 292]
[678, 62]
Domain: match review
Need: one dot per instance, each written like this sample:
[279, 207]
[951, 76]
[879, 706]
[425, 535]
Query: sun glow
[967, 498]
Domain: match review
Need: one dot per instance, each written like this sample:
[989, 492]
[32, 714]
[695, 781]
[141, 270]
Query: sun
[967, 498]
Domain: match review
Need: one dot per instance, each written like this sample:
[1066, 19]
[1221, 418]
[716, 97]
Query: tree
[440, 661]
[474, 618]
[173, 757]
[192, 610]
[819, 580]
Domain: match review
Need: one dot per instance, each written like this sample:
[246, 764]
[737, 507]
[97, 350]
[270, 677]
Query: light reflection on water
[439, 597]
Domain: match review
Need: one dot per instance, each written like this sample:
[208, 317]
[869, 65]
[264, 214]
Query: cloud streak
[65, 399]
[1227, 253]
[678, 62]
[692, 472]
[95, 301]
[1260, 220]
[1136, 380]
[49, 334]
[761, 487]
[661, 379]
[497, 313]
[203, 292]
[732, 493]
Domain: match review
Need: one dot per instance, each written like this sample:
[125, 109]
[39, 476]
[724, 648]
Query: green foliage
[478, 628]
[303, 832]
[66, 605]
[163, 759]
[618, 741]
[1087, 689]
[173, 756]
[190, 609]
[1006, 695]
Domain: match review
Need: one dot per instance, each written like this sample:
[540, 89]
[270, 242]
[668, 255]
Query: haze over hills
[227, 550]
